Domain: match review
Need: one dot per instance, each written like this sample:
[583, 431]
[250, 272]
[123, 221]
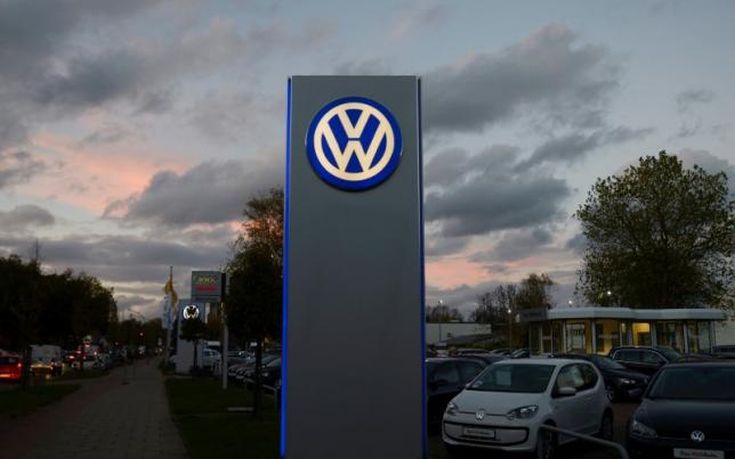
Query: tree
[442, 313]
[253, 305]
[659, 235]
[534, 292]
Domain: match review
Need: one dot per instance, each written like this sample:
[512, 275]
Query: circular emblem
[191, 312]
[697, 436]
[480, 415]
[354, 143]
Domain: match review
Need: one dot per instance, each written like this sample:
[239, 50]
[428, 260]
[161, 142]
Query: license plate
[685, 453]
[479, 432]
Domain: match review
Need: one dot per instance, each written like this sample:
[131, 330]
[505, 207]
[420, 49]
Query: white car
[504, 406]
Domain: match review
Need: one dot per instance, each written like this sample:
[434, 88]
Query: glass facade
[579, 335]
[670, 334]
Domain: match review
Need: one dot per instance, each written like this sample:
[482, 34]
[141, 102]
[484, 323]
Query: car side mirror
[566, 392]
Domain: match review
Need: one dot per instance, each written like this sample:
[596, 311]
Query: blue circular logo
[354, 143]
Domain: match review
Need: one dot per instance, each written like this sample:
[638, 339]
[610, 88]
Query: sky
[132, 133]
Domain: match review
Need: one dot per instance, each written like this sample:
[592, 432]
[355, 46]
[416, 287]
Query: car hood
[494, 402]
[678, 419]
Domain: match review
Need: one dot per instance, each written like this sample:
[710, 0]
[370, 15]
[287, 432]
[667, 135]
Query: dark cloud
[577, 244]
[575, 146]
[437, 246]
[18, 167]
[547, 72]
[516, 245]
[685, 100]
[207, 193]
[484, 192]
[23, 218]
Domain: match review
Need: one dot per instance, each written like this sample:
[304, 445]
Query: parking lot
[575, 450]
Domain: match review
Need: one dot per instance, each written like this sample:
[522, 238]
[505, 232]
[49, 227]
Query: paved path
[106, 419]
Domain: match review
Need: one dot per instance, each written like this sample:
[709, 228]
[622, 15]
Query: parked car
[645, 359]
[446, 377]
[506, 405]
[485, 357]
[502, 351]
[271, 373]
[210, 357]
[688, 411]
[521, 353]
[620, 382]
[246, 370]
[11, 367]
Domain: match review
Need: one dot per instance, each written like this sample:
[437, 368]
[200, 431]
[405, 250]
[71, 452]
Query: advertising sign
[353, 270]
[207, 286]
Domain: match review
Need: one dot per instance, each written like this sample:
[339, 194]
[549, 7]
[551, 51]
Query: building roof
[600, 312]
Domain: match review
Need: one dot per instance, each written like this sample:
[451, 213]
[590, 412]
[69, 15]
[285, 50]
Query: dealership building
[598, 329]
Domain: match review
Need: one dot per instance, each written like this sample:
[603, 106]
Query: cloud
[22, 218]
[516, 245]
[547, 72]
[572, 147]
[416, 16]
[211, 192]
[484, 192]
[18, 167]
[685, 100]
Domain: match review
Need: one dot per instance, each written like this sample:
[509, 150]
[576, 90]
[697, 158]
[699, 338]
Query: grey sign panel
[353, 381]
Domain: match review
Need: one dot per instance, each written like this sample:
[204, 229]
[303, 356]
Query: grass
[18, 402]
[199, 407]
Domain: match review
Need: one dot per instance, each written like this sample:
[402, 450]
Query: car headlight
[639, 429]
[626, 381]
[524, 412]
[265, 374]
[452, 409]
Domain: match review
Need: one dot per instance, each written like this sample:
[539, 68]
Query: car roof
[703, 363]
[538, 361]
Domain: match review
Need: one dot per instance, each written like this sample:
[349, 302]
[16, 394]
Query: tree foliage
[659, 235]
[253, 305]
[51, 308]
[442, 313]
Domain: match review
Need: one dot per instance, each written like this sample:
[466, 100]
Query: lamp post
[510, 328]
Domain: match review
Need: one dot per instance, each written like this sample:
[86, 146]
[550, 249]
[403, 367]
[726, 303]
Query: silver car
[504, 406]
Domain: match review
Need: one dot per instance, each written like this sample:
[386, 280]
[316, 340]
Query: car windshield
[670, 353]
[695, 383]
[513, 378]
[606, 363]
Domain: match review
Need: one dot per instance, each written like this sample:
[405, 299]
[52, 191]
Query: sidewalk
[104, 419]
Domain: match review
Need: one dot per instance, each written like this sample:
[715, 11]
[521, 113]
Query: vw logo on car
[354, 143]
[697, 436]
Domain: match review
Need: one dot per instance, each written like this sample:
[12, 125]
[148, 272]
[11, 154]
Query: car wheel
[611, 393]
[606, 427]
[545, 444]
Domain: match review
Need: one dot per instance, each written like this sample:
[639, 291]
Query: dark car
[688, 411]
[620, 382]
[445, 378]
[522, 353]
[645, 359]
[484, 357]
[271, 372]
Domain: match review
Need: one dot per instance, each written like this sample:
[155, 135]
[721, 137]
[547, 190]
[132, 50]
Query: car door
[630, 358]
[588, 397]
[569, 411]
[444, 383]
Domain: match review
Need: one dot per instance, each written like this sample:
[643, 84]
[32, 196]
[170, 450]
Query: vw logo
[480, 415]
[191, 312]
[354, 143]
[697, 436]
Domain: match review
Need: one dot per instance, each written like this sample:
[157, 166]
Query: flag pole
[169, 300]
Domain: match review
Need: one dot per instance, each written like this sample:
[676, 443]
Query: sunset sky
[132, 132]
